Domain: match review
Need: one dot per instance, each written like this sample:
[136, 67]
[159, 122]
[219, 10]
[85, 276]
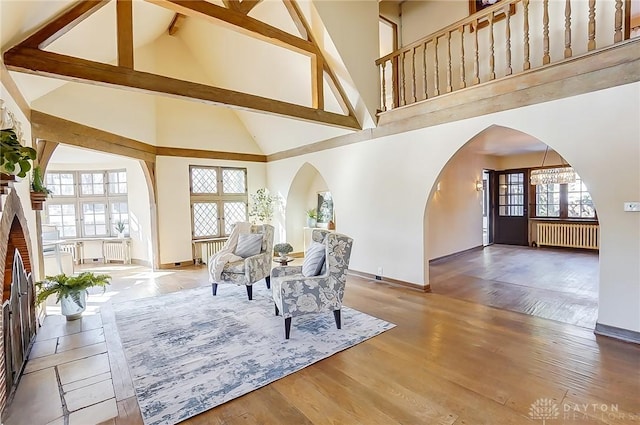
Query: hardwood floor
[447, 361]
[556, 284]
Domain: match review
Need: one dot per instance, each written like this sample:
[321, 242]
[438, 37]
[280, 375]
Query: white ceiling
[224, 58]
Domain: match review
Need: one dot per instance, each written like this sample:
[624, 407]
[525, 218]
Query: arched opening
[302, 196]
[18, 317]
[559, 281]
[107, 189]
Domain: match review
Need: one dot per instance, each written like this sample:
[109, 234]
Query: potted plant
[312, 217]
[39, 191]
[262, 206]
[71, 291]
[14, 158]
[120, 227]
[283, 248]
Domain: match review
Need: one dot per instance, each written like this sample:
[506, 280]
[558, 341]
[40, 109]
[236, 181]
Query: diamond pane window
[205, 219]
[233, 213]
[204, 180]
[233, 180]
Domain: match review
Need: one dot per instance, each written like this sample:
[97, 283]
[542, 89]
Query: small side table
[283, 261]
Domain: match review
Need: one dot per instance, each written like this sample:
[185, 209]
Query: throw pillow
[249, 244]
[313, 259]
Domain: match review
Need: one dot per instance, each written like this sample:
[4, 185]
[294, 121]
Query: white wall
[117, 111]
[352, 26]
[529, 160]
[421, 18]
[302, 196]
[453, 220]
[382, 186]
[174, 212]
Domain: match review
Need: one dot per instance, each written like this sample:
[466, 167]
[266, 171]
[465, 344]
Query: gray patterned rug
[189, 351]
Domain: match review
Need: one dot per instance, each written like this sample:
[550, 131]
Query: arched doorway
[126, 201]
[302, 196]
[18, 316]
[555, 282]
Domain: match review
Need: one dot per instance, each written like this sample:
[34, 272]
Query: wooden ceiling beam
[49, 64]
[247, 6]
[297, 20]
[337, 89]
[55, 129]
[124, 21]
[64, 23]
[232, 4]
[317, 82]
[13, 90]
[239, 22]
[176, 23]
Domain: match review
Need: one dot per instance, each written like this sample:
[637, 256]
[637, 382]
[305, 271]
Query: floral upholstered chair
[313, 287]
[251, 269]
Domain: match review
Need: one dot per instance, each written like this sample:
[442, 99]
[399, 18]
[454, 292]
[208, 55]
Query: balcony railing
[509, 37]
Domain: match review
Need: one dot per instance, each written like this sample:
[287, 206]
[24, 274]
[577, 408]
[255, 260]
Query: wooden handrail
[498, 7]
[428, 67]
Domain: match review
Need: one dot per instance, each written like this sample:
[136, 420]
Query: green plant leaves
[64, 285]
[13, 153]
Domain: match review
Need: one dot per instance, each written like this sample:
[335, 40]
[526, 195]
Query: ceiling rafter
[63, 24]
[176, 23]
[124, 21]
[240, 22]
[47, 64]
[247, 5]
[321, 65]
[232, 4]
[29, 57]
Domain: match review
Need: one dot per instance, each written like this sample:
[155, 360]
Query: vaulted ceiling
[273, 96]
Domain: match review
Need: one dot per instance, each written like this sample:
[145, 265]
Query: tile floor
[67, 379]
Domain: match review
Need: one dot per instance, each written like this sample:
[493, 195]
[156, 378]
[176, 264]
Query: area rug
[190, 351]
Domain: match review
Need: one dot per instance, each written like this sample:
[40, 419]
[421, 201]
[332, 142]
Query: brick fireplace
[18, 318]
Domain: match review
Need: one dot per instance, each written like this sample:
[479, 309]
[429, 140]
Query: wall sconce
[479, 185]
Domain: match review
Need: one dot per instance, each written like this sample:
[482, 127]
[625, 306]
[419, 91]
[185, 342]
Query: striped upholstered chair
[313, 287]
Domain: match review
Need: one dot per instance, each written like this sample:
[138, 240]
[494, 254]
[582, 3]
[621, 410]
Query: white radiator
[210, 247]
[72, 249]
[116, 251]
[568, 235]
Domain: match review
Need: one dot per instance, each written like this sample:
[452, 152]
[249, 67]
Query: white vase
[311, 222]
[73, 305]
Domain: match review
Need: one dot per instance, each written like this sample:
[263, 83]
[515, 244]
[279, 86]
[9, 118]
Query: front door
[511, 217]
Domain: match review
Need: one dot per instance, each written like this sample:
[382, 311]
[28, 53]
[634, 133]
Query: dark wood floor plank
[557, 284]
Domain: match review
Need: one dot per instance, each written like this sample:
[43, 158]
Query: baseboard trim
[455, 254]
[617, 333]
[177, 264]
[141, 262]
[410, 285]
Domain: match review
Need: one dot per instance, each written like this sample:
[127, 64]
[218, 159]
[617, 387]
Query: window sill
[566, 220]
